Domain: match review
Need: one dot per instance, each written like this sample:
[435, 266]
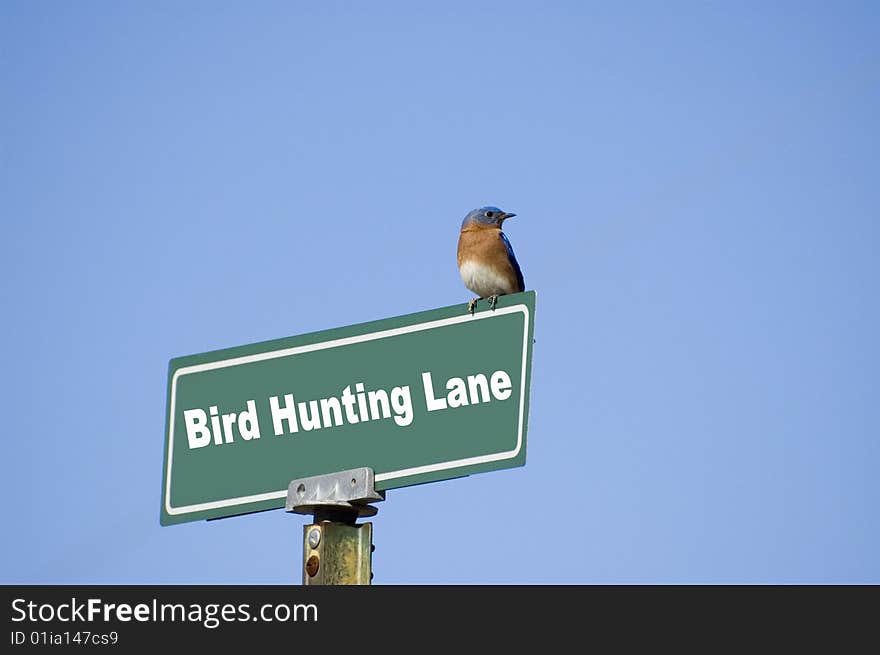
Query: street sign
[417, 398]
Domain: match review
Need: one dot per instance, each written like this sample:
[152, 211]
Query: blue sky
[696, 189]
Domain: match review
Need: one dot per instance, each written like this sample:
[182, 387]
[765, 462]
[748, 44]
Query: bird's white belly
[483, 280]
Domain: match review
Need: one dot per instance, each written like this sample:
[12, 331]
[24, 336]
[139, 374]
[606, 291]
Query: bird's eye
[490, 214]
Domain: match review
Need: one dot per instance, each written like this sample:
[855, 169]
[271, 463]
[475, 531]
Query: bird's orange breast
[482, 243]
[483, 246]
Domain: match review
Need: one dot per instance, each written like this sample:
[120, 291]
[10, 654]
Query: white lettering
[457, 395]
[500, 383]
[248, 425]
[402, 404]
[348, 401]
[433, 403]
[215, 425]
[331, 406]
[197, 433]
[286, 413]
[22, 613]
[228, 421]
[312, 422]
[478, 383]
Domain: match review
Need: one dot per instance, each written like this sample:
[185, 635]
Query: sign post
[336, 549]
[417, 398]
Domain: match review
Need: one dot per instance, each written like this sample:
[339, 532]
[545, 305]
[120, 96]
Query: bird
[486, 261]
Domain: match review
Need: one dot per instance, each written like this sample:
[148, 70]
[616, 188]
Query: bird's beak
[505, 216]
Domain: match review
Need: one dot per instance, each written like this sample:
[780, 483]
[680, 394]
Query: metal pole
[337, 553]
[336, 549]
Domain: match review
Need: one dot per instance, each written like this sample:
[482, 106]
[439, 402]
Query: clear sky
[697, 193]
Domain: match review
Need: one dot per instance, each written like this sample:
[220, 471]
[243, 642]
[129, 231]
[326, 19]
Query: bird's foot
[493, 299]
[472, 305]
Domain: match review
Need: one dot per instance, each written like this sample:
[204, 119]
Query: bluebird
[486, 261]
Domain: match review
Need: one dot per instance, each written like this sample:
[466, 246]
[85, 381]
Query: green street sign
[418, 398]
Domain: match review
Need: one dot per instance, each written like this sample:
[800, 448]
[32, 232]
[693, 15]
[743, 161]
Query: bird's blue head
[486, 216]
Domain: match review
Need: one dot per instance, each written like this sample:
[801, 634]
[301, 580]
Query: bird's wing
[514, 263]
